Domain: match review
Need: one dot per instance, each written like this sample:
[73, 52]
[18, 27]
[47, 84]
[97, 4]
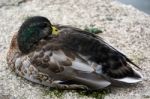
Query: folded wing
[67, 67]
[114, 64]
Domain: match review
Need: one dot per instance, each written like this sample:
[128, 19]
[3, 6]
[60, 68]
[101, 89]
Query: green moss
[99, 94]
[93, 29]
[146, 96]
[54, 93]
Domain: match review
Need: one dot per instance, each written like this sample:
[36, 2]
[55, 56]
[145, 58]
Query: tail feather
[128, 60]
[137, 77]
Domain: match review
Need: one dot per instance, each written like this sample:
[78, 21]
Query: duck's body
[75, 59]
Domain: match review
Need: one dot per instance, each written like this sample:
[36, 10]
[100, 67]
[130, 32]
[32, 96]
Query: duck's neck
[14, 44]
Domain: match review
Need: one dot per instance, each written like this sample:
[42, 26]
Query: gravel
[124, 27]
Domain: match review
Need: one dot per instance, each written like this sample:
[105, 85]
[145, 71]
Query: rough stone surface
[123, 26]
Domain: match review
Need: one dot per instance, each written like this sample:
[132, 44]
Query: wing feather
[114, 64]
[66, 66]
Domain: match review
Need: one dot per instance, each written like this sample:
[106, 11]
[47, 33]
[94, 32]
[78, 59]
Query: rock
[124, 27]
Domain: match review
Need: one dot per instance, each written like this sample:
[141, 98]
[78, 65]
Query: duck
[66, 57]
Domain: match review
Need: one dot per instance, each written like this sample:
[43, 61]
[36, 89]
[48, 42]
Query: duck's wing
[115, 65]
[65, 66]
[77, 30]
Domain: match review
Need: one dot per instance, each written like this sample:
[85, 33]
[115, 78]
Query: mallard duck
[66, 57]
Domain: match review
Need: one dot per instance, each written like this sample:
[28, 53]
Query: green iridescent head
[31, 31]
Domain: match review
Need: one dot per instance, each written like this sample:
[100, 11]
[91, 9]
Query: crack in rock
[5, 3]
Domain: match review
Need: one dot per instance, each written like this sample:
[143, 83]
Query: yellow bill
[55, 31]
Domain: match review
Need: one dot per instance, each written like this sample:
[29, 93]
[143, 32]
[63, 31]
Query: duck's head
[33, 30]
